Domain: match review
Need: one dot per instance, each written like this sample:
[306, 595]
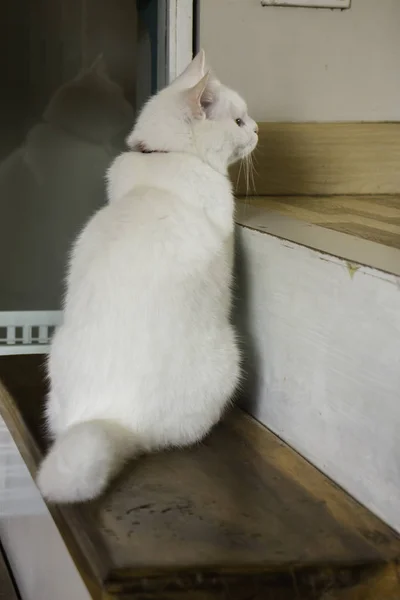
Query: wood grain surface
[373, 218]
[325, 159]
[241, 511]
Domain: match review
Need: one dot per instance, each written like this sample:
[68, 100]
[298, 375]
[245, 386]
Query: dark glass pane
[69, 90]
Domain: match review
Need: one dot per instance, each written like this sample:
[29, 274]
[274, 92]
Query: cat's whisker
[260, 152]
[247, 172]
[255, 155]
[252, 172]
[249, 175]
[255, 171]
[239, 172]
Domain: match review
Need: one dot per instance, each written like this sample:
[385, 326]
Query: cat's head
[199, 115]
[91, 106]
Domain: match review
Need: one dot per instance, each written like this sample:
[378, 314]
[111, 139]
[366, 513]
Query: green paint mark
[352, 268]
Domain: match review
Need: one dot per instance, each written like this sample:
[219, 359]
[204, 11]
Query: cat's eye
[239, 122]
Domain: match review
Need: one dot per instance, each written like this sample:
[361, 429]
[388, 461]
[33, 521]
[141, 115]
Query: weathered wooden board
[372, 218]
[241, 509]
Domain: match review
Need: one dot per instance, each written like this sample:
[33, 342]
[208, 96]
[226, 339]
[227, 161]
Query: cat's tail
[83, 460]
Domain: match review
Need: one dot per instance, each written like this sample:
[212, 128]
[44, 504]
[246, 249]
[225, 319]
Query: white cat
[147, 357]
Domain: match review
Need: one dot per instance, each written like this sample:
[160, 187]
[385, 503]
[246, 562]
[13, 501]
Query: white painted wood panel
[324, 348]
[180, 36]
[39, 559]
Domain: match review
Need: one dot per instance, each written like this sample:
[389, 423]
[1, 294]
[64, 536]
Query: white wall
[302, 64]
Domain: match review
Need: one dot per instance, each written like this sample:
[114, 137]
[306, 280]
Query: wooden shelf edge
[335, 243]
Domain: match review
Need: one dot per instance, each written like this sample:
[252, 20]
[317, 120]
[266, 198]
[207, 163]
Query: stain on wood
[239, 516]
[325, 159]
[352, 268]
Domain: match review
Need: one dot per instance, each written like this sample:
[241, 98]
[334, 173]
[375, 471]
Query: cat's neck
[182, 176]
[145, 149]
[208, 157]
[202, 140]
[164, 170]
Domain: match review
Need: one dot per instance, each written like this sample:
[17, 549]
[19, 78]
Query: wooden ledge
[240, 512]
[359, 229]
[334, 187]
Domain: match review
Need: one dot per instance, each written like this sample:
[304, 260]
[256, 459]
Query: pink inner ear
[196, 109]
[207, 97]
[197, 96]
[200, 92]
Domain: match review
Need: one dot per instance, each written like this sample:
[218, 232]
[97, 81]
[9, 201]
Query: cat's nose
[256, 128]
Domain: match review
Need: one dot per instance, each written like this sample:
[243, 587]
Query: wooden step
[373, 218]
[240, 516]
[311, 307]
[361, 229]
[335, 187]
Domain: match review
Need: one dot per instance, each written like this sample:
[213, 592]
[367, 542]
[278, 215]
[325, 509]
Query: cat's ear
[198, 64]
[193, 72]
[200, 96]
[98, 69]
[98, 66]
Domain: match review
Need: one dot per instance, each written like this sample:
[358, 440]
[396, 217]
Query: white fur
[147, 357]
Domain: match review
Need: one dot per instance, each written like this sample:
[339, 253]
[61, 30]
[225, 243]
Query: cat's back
[149, 230]
[159, 205]
[154, 235]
